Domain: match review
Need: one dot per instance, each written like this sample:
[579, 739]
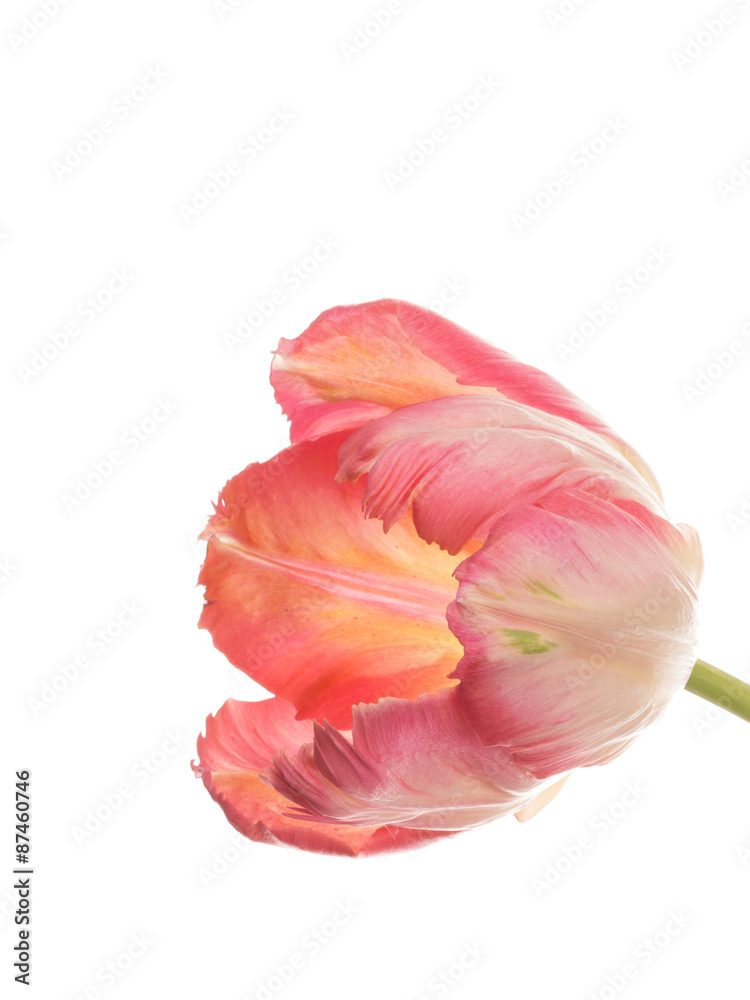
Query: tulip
[525, 607]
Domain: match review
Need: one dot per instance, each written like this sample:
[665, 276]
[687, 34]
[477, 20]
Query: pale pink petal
[354, 363]
[416, 764]
[578, 622]
[540, 801]
[463, 461]
[239, 743]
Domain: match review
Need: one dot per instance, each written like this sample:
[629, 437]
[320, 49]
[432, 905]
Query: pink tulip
[525, 608]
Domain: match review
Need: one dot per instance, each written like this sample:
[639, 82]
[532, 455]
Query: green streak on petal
[527, 642]
[538, 585]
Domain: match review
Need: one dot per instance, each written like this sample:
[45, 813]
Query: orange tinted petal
[355, 363]
[316, 603]
[239, 742]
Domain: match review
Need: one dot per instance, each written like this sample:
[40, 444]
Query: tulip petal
[577, 619]
[355, 363]
[464, 461]
[240, 742]
[316, 603]
[540, 801]
[416, 764]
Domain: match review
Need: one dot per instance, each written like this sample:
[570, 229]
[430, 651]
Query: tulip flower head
[458, 584]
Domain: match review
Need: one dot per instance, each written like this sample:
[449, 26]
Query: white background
[685, 844]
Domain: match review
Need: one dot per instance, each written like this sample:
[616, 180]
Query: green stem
[722, 689]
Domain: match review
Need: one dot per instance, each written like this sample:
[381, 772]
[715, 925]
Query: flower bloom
[524, 608]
